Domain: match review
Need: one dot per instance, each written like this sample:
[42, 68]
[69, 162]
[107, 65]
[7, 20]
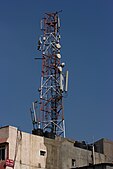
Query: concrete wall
[99, 166]
[108, 150]
[99, 146]
[62, 151]
[4, 134]
[105, 146]
[25, 149]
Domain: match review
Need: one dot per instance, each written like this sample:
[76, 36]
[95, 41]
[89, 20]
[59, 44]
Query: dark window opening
[2, 152]
[73, 162]
[42, 153]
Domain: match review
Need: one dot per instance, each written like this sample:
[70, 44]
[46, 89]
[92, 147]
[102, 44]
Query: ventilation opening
[42, 152]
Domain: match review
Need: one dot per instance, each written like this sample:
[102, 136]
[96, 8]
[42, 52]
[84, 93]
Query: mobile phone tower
[54, 82]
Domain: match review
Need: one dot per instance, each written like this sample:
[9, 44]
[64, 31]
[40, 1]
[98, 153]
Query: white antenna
[41, 24]
[34, 111]
[66, 81]
[61, 81]
[58, 22]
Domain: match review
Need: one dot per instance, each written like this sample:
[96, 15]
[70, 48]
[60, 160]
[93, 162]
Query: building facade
[20, 150]
[98, 166]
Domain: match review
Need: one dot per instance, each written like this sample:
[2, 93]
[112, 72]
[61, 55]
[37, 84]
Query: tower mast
[53, 83]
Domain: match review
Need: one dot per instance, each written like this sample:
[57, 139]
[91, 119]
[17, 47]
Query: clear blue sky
[87, 50]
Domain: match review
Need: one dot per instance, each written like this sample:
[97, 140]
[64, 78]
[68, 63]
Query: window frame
[73, 162]
[5, 147]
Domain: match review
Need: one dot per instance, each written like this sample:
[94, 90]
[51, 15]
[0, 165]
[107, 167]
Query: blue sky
[87, 50]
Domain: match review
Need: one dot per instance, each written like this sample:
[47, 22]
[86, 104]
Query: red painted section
[2, 164]
[9, 163]
[3, 140]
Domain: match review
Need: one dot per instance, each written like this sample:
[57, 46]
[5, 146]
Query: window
[2, 152]
[73, 162]
[42, 152]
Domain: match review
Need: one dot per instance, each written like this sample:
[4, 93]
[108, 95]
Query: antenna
[58, 22]
[66, 81]
[93, 152]
[34, 115]
[53, 82]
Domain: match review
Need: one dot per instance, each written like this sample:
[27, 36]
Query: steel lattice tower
[53, 83]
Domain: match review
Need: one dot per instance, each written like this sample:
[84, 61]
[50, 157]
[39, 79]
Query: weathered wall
[99, 146]
[99, 166]
[4, 134]
[54, 153]
[25, 150]
[105, 146]
[108, 150]
[61, 152]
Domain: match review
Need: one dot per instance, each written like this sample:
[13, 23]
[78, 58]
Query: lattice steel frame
[51, 116]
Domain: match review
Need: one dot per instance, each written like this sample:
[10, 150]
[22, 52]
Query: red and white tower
[54, 82]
